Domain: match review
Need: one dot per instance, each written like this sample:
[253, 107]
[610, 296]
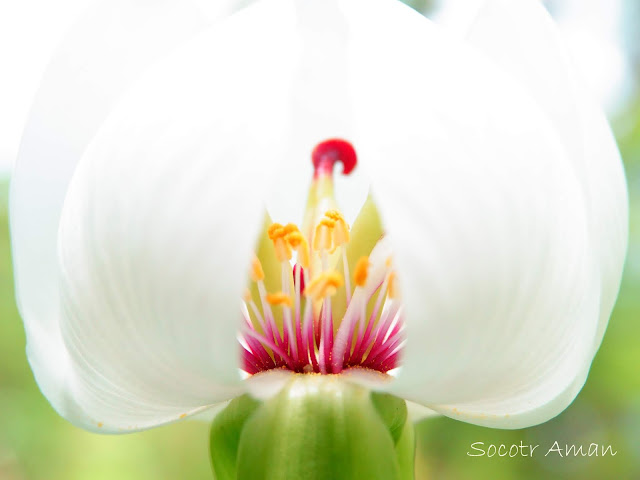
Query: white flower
[499, 185]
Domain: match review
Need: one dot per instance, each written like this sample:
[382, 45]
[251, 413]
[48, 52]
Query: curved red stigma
[327, 153]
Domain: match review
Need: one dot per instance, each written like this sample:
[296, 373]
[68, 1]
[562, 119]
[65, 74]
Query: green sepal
[406, 451]
[225, 434]
[393, 411]
[319, 428]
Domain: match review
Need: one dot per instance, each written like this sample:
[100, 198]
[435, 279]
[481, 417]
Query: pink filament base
[308, 345]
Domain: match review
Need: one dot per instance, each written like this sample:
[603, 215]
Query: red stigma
[327, 153]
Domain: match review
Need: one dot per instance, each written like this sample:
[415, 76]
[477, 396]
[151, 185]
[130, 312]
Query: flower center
[321, 315]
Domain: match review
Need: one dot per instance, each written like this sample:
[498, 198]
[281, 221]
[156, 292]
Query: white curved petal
[536, 55]
[379, 381]
[160, 221]
[265, 385]
[487, 215]
[101, 56]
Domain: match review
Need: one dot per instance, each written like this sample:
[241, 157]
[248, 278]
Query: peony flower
[476, 282]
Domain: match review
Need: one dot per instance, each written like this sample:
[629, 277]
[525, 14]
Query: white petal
[537, 57]
[160, 221]
[378, 381]
[498, 262]
[418, 412]
[104, 53]
[265, 385]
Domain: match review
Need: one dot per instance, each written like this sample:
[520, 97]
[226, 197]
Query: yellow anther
[247, 295]
[298, 243]
[340, 227]
[322, 238]
[257, 273]
[393, 285]
[283, 249]
[341, 233]
[275, 230]
[279, 298]
[277, 235]
[304, 255]
[389, 261]
[294, 239]
[328, 222]
[334, 215]
[290, 228]
[324, 285]
[361, 272]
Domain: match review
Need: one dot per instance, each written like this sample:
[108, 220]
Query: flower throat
[323, 297]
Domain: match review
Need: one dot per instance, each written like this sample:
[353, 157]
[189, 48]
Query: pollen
[295, 239]
[274, 231]
[328, 222]
[324, 285]
[290, 228]
[333, 215]
[279, 298]
[361, 272]
[257, 273]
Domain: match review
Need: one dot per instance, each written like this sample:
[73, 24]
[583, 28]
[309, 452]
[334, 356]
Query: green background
[36, 444]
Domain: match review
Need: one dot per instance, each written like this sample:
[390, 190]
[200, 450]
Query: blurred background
[36, 444]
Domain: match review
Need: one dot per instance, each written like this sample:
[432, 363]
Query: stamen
[277, 234]
[299, 243]
[247, 295]
[269, 343]
[273, 228]
[295, 239]
[304, 341]
[270, 322]
[257, 273]
[322, 238]
[361, 272]
[365, 341]
[328, 222]
[340, 228]
[347, 282]
[393, 285]
[324, 285]
[287, 279]
[279, 298]
[290, 228]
